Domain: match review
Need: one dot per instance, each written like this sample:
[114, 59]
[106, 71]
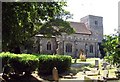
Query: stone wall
[78, 42]
[41, 45]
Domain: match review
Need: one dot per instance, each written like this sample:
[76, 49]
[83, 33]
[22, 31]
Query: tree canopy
[23, 20]
[111, 43]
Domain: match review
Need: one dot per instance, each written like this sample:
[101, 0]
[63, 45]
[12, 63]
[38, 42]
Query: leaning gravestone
[104, 65]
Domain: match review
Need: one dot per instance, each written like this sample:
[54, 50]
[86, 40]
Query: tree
[111, 48]
[23, 20]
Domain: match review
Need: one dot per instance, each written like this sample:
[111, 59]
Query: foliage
[48, 62]
[109, 59]
[82, 57]
[21, 21]
[110, 47]
[20, 62]
[28, 62]
[5, 58]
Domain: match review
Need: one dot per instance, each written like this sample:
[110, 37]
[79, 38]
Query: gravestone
[105, 65]
[106, 73]
[97, 64]
[55, 74]
[98, 72]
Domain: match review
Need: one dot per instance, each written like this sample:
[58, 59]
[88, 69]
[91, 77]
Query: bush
[5, 58]
[48, 62]
[20, 62]
[28, 63]
[24, 63]
[108, 59]
[82, 57]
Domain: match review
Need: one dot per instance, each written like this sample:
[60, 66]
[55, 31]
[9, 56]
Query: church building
[88, 34]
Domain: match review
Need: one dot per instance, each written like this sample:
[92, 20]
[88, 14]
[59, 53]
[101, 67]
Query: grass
[89, 60]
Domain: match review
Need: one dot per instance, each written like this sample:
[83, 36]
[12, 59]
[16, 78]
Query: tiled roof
[80, 28]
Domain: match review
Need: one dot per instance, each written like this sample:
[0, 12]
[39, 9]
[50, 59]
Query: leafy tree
[23, 20]
[111, 48]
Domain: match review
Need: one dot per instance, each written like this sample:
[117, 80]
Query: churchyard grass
[89, 60]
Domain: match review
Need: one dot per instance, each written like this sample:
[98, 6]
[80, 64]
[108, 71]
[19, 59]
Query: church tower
[95, 25]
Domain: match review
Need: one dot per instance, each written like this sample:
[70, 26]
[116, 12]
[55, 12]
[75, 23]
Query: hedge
[20, 62]
[48, 62]
[30, 62]
[25, 63]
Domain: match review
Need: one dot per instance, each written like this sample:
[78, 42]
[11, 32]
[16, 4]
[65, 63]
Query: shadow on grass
[61, 75]
[72, 71]
[46, 77]
[23, 78]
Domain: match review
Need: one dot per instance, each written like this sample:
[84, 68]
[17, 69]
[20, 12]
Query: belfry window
[96, 22]
[68, 47]
[48, 46]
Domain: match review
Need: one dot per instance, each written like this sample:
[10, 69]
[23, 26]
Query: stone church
[88, 34]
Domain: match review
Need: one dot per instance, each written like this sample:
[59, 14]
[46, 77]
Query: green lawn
[89, 60]
[83, 67]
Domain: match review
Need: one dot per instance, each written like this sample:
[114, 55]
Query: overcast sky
[108, 9]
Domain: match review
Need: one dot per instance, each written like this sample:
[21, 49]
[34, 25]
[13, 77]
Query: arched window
[68, 47]
[91, 48]
[48, 46]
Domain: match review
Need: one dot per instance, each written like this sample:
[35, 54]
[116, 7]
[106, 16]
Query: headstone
[104, 65]
[55, 74]
[98, 72]
[97, 64]
[105, 73]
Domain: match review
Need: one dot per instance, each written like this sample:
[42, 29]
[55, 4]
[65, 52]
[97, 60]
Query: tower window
[96, 22]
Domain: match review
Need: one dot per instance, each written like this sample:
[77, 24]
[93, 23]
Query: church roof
[80, 28]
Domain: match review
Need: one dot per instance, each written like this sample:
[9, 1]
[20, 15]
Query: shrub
[20, 62]
[28, 63]
[82, 57]
[24, 63]
[48, 62]
[108, 59]
[5, 58]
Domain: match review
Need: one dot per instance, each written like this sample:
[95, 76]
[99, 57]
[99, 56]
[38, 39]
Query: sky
[108, 9]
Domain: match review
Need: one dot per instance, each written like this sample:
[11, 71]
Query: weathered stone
[55, 74]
